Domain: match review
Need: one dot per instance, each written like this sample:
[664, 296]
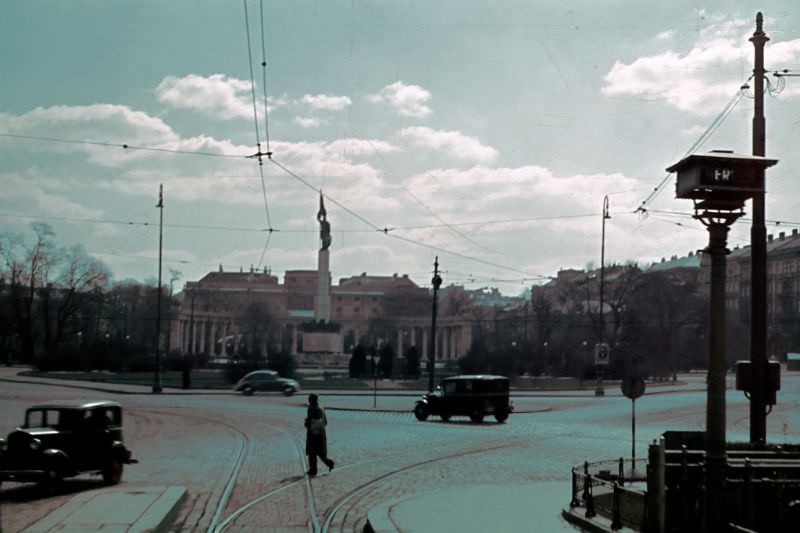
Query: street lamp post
[599, 391]
[157, 376]
[437, 282]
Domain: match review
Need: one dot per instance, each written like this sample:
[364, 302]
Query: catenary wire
[702, 139]
[118, 145]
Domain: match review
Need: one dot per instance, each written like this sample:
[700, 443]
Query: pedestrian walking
[316, 439]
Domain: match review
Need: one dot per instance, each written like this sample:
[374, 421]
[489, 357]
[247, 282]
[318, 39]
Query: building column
[294, 339]
[399, 342]
[213, 351]
[424, 348]
[445, 343]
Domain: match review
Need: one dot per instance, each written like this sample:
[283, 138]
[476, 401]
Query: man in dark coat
[316, 440]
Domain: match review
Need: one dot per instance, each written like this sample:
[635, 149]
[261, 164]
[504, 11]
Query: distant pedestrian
[316, 440]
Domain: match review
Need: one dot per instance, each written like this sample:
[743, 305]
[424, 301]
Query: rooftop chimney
[782, 235]
[769, 237]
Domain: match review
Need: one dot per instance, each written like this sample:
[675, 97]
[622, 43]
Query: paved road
[241, 457]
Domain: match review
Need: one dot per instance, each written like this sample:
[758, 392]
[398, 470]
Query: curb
[378, 518]
[158, 508]
[593, 525]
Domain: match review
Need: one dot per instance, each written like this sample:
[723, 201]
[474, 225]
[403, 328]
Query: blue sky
[484, 132]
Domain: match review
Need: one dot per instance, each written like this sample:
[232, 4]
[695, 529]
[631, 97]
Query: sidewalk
[531, 507]
[134, 511]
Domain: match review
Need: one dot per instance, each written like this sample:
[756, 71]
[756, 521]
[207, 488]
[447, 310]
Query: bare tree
[47, 286]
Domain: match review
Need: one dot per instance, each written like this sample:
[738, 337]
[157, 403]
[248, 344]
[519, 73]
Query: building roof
[687, 261]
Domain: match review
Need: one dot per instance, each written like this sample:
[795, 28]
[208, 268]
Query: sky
[486, 133]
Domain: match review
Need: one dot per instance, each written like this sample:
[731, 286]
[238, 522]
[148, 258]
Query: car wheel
[113, 474]
[421, 412]
[288, 391]
[501, 416]
[247, 391]
[52, 478]
[445, 417]
[476, 416]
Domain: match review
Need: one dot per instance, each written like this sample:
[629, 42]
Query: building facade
[219, 313]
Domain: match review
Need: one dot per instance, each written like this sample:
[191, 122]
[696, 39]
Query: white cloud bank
[326, 102]
[216, 95]
[453, 143]
[703, 79]
[407, 100]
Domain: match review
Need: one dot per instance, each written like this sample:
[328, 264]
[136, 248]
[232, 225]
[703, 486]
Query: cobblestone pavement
[241, 458]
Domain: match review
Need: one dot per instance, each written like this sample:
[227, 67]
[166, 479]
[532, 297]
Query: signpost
[601, 356]
[633, 387]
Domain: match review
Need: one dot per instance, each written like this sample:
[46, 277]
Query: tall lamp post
[601, 350]
[437, 282]
[718, 183]
[157, 376]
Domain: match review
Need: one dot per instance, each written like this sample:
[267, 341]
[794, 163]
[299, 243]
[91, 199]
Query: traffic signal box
[744, 379]
[720, 180]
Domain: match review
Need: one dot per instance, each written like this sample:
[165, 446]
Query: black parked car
[64, 439]
[473, 396]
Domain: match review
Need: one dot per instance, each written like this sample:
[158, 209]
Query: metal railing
[608, 489]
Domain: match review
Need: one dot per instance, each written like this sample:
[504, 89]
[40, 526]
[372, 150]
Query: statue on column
[324, 225]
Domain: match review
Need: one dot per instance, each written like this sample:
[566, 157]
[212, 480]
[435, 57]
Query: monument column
[323, 300]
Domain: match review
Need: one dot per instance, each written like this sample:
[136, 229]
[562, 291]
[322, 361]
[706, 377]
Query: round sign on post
[601, 353]
[633, 387]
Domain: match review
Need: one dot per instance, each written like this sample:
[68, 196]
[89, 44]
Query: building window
[357, 309]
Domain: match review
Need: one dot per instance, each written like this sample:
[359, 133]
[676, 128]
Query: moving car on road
[64, 439]
[266, 380]
[474, 396]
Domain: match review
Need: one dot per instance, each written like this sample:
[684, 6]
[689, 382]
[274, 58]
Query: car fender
[120, 452]
[57, 460]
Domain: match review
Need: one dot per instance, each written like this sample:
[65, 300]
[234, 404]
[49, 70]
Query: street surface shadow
[28, 492]
[292, 479]
[467, 422]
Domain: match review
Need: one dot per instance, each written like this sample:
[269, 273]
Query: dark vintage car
[64, 439]
[266, 380]
[474, 396]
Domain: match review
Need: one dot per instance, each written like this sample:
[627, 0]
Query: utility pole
[437, 282]
[160, 205]
[758, 255]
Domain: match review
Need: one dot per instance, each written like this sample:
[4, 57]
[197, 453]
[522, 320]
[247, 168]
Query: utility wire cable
[117, 145]
[404, 239]
[264, 74]
[259, 154]
[252, 78]
[434, 214]
[702, 139]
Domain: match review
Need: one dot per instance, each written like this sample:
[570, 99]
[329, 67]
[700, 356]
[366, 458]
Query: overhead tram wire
[97, 221]
[117, 145]
[386, 231]
[264, 75]
[712, 128]
[259, 154]
[435, 215]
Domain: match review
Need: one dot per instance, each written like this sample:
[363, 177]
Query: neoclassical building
[214, 319]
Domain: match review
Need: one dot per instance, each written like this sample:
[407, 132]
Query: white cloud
[326, 102]
[31, 194]
[216, 95]
[307, 122]
[408, 100]
[502, 191]
[701, 80]
[453, 143]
